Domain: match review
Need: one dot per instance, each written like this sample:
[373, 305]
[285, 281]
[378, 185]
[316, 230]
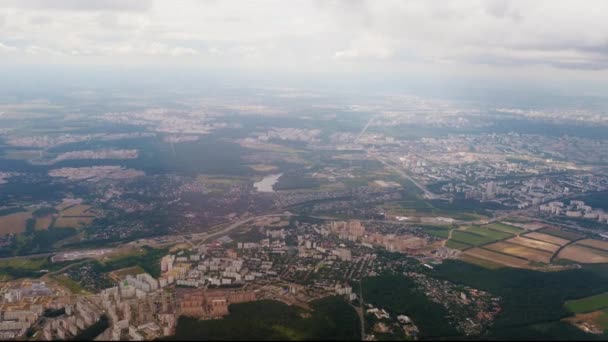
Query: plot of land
[588, 304]
[457, 245]
[73, 222]
[582, 254]
[561, 233]
[545, 246]
[478, 235]
[504, 228]
[603, 245]
[479, 262]
[44, 222]
[521, 251]
[14, 223]
[547, 238]
[497, 257]
[77, 210]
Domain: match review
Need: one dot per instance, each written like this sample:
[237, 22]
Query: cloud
[7, 48]
[79, 5]
[330, 34]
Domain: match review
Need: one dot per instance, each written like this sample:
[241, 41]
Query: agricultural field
[14, 223]
[475, 235]
[582, 254]
[521, 251]
[73, 222]
[457, 245]
[588, 304]
[495, 257]
[560, 233]
[547, 238]
[603, 245]
[505, 228]
[536, 244]
[75, 216]
[480, 262]
[44, 222]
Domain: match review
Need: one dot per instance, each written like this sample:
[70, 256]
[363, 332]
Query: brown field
[73, 222]
[603, 245]
[44, 222]
[480, 262]
[521, 251]
[77, 210]
[547, 238]
[582, 254]
[14, 223]
[497, 257]
[545, 246]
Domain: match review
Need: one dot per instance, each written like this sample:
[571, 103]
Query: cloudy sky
[540, 38]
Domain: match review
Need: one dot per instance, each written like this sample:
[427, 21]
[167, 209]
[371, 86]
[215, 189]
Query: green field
[331, 319]
[560, 233]
[588, 304]
[475, 235]
[457, 245]
[504, 228]
[442, 233]
[71, 284]
[478, 236]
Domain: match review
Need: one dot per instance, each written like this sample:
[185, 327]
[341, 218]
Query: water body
[266, 184]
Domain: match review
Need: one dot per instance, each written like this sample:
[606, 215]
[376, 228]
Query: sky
[540, 39]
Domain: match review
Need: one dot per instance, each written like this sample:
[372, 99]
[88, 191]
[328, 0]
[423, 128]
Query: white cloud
[329, 34]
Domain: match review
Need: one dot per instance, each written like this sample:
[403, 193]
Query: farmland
[505, 228]
[560, 233]
[14, 223]
[521, 251]
[582, 254]
[588, 304]
[457, 245]
[603, 245]
[497, 257]
[475, 235]
[531, 243]
[547, 238]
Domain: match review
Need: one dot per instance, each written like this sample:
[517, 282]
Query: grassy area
[70, 284]
[457, 245]
[25, 264]
[442, 233]
[331, 319]
[148, 259]
[505, 228]
[588, 304]
[475, 235]
[468, 238]
[560, 233]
